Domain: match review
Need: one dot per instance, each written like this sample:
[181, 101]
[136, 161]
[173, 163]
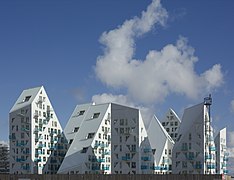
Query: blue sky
[58, 44]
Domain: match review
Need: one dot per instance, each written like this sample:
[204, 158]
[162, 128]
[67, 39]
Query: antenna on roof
[208, 100]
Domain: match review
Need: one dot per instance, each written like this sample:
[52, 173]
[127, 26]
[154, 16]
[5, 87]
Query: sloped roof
[26, 98]
[158, 137]
[86, 125]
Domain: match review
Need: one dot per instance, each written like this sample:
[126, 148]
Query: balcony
[125, 158]
[25, 129]
[211, 166]
[20, 160]
[143, 167]
[106, 168]
[21, 144]
[146, 150]
[100, 160]
[198, 166]
[145, 158]
[37, 160]
[225, 159]
[212, 148]
[156, 167]
[208, 156]
[225, 171]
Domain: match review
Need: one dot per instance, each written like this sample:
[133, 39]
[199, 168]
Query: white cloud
[106, 98]
[170, 70]
[147, 112]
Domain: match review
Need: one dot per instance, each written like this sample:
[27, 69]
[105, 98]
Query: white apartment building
[106, 139]
[4, 158]
[162, 145]
[194, 151]
[88, 132]
[171, 123]
[221, 152]
[37, 145]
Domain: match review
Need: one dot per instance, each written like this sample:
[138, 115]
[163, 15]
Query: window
[121, 122]
[70, 141]
[81, 112]
[133, 164]
[163, 123]
[76, 129]
[190, 136]
[165, 151]
[27, 98]
[176, 123]
[90, 135]
[96, 115]
[84, 150]
[99, 135]
[169, 151]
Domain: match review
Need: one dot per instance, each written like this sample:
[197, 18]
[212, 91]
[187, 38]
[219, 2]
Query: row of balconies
[162, 168]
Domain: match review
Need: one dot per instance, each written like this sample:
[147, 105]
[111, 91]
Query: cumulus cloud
[147, 112]
[165, 71]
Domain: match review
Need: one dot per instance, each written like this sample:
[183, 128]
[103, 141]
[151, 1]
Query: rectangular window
[81, 112]
[96, 115]
[76, 129]
[121, 123]
[84, 150]
[90, 135]
[27, 98]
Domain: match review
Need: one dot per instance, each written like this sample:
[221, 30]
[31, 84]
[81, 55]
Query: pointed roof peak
[26, 98]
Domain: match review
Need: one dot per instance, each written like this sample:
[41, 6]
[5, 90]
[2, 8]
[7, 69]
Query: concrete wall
[110, 177]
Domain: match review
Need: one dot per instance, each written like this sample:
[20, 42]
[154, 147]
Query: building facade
[221, 152]
[105, 139]
[171, 123]
[37, 144]
[4, 158]
[161, 145]
[194, 151]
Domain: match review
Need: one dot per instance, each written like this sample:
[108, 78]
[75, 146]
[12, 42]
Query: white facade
[106, 139]
[162, 145]
[37, 144]
[194, 151]
[88, 133]
[221, 152]
[129, 143]
[171, 123]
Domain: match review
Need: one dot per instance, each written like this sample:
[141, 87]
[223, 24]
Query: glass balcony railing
[125, 158]
[145, 158]
[143, 167]
[106, 168]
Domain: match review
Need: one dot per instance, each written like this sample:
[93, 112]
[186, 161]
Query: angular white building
[161, 145]
[194, 151]
[37, 144]
[221, 152]
[88, 132]
[171, 123]
[106, 139]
